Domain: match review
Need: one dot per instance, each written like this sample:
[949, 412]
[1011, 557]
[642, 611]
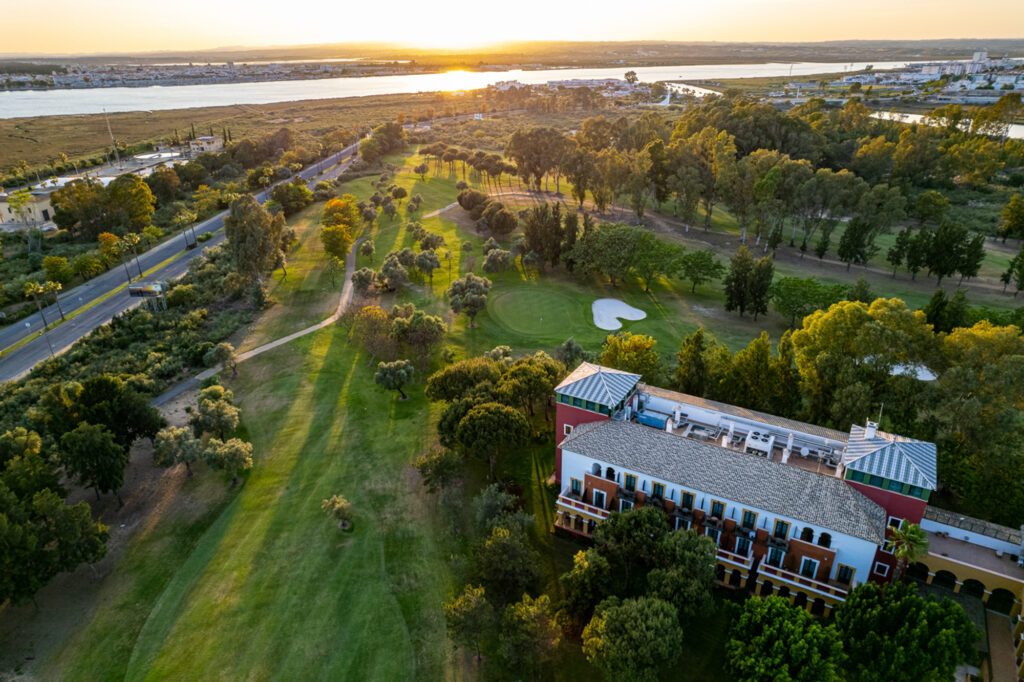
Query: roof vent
[870, 430]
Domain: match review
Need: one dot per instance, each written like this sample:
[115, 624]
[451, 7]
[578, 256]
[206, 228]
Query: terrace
[778, 440]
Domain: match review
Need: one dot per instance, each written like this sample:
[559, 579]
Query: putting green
[536, 311]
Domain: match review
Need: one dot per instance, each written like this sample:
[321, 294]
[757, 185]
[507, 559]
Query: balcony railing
[733, 558]
[567, 501]
[801, 581]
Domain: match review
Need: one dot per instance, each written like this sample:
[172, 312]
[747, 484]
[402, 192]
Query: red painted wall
[902, 506]
[574, 416]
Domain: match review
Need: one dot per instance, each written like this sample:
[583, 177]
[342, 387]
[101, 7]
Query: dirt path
[343, 300]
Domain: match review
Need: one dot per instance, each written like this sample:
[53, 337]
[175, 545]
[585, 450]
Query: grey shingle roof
[824, 501]
[894, 457]
[744, 413]
[598, 384]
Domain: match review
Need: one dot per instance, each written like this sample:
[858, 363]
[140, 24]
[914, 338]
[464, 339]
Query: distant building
[207, 144]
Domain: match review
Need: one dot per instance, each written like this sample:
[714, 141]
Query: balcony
[623, 494]
[801, 583]
[735, 559]
[568, 501]
[778, 543]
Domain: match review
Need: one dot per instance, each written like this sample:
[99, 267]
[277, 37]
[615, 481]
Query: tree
[394, 375]
[470, 617]
[685, 577]
[609, 250]
[130, 203]
[529, 633]
[92, 456]
[56, 269]
[367, 248]
[339, 509]
[909, 543]
[468, 295]
[635, 639]
[253, 237]
[631, 77]
[891, 632]
[343, 210]
[631, 353]
[700, 267]
[930, 206]
[505, 564]
[946, 250]
[796, 297]
[422, 170]
[336, 240]
[770, 640]
[489, 428]
[693, 372]
[426, 262]
[214, 416]
[570, 353]
[654, 258]
[759, 286]
[587, 584]
[972, 255]
[439, 468]
[419, 331]
[1012, 216]
[174, 445]
[737, 289]
[631, 540]
[456, 380]
[53, 289]
[900, 249]
[233, 456]
[42, 537]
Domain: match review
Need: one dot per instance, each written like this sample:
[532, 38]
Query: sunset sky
[108, 26]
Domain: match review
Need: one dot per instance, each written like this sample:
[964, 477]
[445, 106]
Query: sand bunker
[608, 312]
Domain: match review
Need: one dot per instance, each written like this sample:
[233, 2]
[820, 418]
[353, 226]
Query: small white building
[207, 144]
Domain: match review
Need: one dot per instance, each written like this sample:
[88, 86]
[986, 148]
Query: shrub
[182, 296]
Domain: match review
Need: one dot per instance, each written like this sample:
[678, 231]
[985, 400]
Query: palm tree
[132, 240]
[909, 543]
[33, 290]
[52, 289]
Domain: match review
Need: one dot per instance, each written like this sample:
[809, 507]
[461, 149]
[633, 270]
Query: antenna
[117, 156]
[880, 408]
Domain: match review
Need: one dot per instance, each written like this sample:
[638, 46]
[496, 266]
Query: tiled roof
[601, 385]
[744, 413]
[781, 489]
[894, 457]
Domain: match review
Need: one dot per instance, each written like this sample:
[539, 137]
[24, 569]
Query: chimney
[871, 430]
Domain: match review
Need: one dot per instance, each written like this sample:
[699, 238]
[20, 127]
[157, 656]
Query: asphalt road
[20, 361]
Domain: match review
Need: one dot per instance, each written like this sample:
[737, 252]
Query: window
[807, 534]
[609, 473]
[630, 482]
[844, 574]
[591, 406]
[658, 490]
[717, 509]
[881, 569]
[888, 547]
[749, 519]
[775, 557]
[825, 540]
[808, 568]
[857, 476]
[567, 429]
[742, 546]
[781, 530]
[599, 499]
[687, 501]
[895, 486]
[577, 402]
[682, 524]
[576, 487]
[713, 534]
[895, 523]
[564, 399]
[916, 491]
[625, 505]
[876, 481]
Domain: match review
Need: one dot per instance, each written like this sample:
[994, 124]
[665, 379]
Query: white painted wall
[854, 552]
[969, 536]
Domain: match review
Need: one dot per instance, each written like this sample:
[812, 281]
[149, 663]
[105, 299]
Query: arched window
[807, 535]
[825, 540]
[609, 473]
[595, 469]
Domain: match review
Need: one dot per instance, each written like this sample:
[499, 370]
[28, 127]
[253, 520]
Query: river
[15, 104]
